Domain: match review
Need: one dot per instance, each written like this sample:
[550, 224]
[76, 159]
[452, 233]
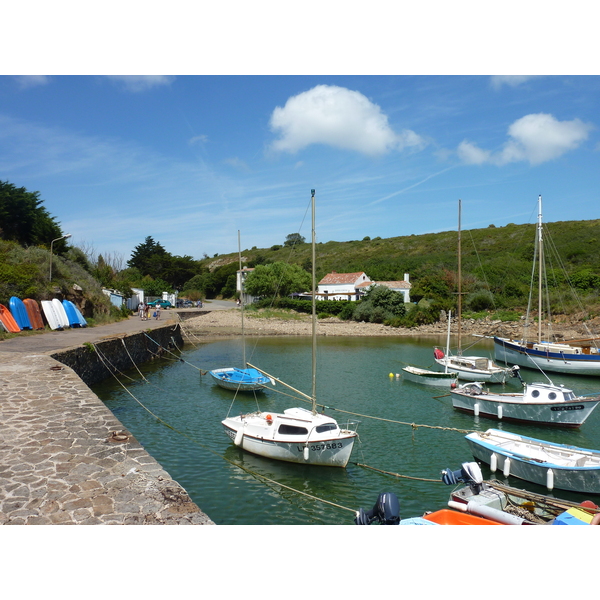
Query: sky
[192, 157]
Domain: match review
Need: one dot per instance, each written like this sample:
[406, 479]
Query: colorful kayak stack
[26, 315]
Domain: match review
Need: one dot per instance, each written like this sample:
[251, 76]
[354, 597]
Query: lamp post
[64, 237]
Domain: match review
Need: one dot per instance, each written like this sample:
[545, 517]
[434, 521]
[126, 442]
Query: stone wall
[94, 363]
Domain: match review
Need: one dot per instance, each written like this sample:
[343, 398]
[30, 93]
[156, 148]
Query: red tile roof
[341, 278]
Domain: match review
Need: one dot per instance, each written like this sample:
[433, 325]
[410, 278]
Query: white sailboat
[470, 368]
[444, 378]
[297, 435]
[245, 379]
[577, 357]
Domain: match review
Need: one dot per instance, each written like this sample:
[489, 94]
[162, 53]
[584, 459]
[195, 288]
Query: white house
[397, 286]
[342, 286]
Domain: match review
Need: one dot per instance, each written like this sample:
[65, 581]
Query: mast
[314, 311]
[459, 312]
[540, 265]
[242, 301]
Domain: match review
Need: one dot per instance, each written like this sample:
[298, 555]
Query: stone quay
[66, 459]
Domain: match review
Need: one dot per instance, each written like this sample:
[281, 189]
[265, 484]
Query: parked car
[187, 304]
[161, 303]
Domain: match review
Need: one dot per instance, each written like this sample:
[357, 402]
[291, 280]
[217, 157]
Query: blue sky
[191, 159]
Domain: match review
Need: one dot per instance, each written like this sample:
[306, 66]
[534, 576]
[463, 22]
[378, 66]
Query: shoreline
[227, 323]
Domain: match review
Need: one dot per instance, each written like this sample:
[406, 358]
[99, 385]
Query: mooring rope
[398, 474]
[249, 471]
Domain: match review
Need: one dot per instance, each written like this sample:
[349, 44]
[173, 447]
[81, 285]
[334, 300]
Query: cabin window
[535, 393]
[552, 395]
[292, 430]
[326, 427]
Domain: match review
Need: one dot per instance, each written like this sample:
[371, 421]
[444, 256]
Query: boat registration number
[317, 447]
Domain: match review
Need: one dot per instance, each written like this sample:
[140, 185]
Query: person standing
[157, 312]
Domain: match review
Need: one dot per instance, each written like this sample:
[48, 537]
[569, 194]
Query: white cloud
[497, 81]
[141, 83]
[472, 155]
[28, 81]
[338, 117]
[237, 163]
[535, 138]
[198, 139]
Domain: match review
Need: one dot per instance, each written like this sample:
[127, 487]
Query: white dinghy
[545, 463]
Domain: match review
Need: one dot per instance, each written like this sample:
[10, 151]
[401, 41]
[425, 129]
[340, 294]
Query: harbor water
[408, 433]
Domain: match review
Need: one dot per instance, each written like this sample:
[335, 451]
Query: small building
[240, 280]
[342, 286]
[397, 286]
[116, 298]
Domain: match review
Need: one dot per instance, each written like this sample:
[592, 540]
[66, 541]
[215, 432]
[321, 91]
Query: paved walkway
[64, 457]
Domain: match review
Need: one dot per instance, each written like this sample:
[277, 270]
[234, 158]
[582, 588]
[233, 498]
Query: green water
[353, 376]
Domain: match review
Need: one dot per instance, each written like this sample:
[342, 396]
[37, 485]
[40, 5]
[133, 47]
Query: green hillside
[495, 259]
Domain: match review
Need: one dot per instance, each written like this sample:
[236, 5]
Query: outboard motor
[515, 371]
[386, 511]
[469, 473]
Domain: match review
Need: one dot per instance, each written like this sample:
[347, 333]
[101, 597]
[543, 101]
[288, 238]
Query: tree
[277, 280]
[24, 220]
[148, 257]
[294, 238]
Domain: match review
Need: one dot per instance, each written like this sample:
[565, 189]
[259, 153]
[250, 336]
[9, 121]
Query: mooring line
[249, 471]
[398, 474]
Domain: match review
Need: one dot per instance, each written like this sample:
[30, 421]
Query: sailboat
[444, 378]
[297, 435]
[470, 368]
[577, 357]
[246, 379]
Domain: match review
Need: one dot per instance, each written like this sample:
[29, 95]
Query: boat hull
[510, 407]
[512, 352]
[19, 312]
[253, 433]
[8, 321]
[74, 315]
[426, 377]
[529, 467]
[242, 380]
[35, 315]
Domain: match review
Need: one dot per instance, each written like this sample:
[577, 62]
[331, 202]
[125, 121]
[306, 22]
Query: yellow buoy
[391, 374]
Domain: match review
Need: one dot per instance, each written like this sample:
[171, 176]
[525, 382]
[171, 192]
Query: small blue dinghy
[19, 313]
[74, 315]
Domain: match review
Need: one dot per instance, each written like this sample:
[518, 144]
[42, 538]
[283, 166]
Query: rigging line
[127, 390]
[105, 360]
[169, 351]
[249, 471]
[487, 285]
[131, 358]
[398, 474]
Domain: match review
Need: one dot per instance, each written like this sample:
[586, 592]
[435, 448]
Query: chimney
[406, 277]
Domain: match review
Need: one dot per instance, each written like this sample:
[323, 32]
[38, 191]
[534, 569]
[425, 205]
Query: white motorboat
[537, 403]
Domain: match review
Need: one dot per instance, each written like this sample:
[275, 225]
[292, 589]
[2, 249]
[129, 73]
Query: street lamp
[64, 237]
